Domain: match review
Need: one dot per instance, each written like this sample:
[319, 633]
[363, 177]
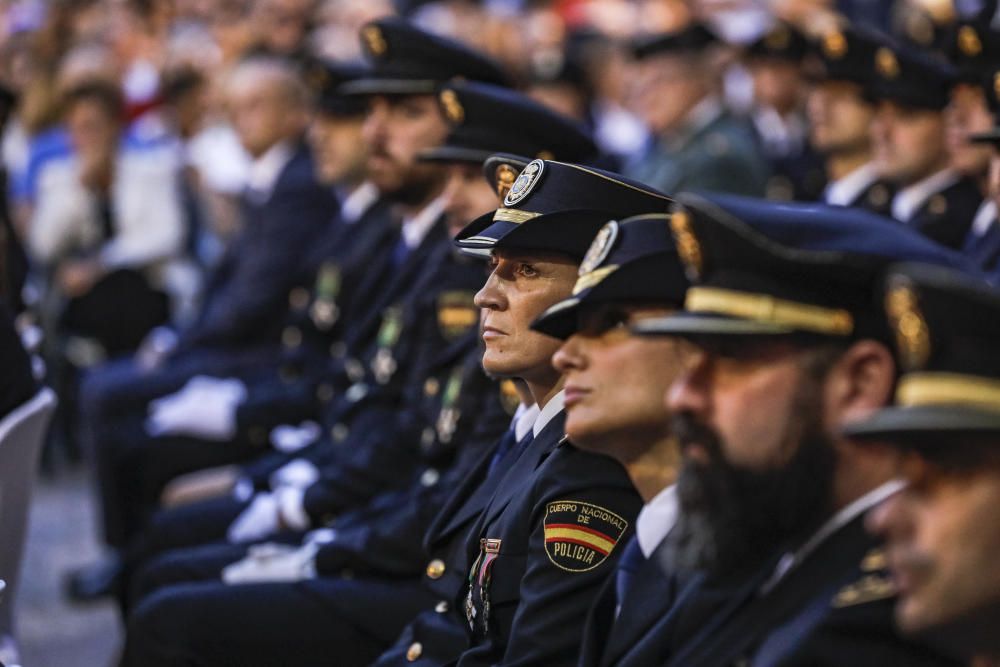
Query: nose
[569, 356]
[689, 390]
[375, 120]
[491, 297]
[891, 518]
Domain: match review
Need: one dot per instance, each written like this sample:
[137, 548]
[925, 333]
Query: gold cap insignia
[907, 321]
[505, 176]
[968, 41]
[835, 45]
[524, 183]
[600, 247]
[886, 63]
[688, 247]
[996, 85]
[373, 39]
[777, 39]
[453, 109]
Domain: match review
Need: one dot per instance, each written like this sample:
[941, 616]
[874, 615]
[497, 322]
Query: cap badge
[688, 246]
[835, 45]
[907, 321]
[968, 41]
[525, 183]
[453, 110]
[600, 247]
[886, 63]
[372, 36]
[505, 176]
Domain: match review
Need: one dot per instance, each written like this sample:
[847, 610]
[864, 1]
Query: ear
[861, 382]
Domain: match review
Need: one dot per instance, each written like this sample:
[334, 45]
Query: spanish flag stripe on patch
[577, 536]
[576, 526]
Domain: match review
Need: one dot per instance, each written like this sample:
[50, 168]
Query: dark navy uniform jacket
[835, 608]
[522, 579]
[947, 216]
[246, 292]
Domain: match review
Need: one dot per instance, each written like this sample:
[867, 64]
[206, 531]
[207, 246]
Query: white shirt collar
[357, 203]
[656, 519]
[986, 216]
[909, 200]
[550, 410]
[415, 228]
[524, 419]
[792, 559]
[846, 189]
[264, 171]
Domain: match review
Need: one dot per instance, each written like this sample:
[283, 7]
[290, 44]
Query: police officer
[908, 135]
[631, 273]
[775, 62]
[789, 347]
[510, 564]
[695, 144]
[839, 68]
[941, 530]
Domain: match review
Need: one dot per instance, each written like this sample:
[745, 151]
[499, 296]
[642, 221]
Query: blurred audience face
[666, 88]
[776, 84]
[942, 540]
[467, 195]
[267, 104]
[563, 98]
[93, 127]
[604, 414]
[839, 118]
[397, 129]
[338, 148]
[521, 286]
[908, 144]
[282, 25]
[967, 113]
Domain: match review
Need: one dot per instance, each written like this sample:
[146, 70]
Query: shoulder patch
[580, 536]
[456, 313]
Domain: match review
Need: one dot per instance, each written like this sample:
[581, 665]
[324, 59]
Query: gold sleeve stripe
[771, 310]
[916, 389]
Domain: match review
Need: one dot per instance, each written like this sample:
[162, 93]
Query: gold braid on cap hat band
[915, 389]
[769, 310]
[513, 215]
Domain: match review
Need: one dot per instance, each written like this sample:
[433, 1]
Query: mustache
[689, 431]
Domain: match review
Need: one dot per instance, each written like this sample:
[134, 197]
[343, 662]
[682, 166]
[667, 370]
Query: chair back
[21, 435]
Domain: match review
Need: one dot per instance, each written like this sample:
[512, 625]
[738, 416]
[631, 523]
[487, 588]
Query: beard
[730, 517]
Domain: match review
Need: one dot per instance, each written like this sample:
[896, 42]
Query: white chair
[21, 435]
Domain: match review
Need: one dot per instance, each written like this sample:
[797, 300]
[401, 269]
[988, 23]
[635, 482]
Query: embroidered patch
[456, 313]
[869, 588]
[580, 536]
[509, 398]
[525, 183]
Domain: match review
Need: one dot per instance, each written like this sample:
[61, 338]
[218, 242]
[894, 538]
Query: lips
[492, 333]
[573, 395]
